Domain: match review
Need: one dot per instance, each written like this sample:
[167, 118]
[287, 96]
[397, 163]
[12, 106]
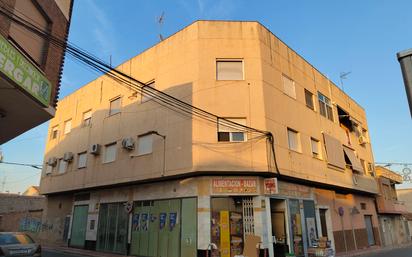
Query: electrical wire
[36, 166]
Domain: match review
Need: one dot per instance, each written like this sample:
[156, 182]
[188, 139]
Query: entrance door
[279, 227]
[112, 228]
[189, 227]
[369, 230]
[78, 235]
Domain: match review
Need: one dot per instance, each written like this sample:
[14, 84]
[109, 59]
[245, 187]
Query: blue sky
[335, 36]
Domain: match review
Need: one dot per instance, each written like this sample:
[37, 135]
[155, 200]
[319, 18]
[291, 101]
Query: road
[401, 252]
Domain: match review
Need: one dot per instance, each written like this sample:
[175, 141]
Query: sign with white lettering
[17, 68]
[235, 185]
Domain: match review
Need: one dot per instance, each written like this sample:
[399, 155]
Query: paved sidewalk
[373, 250]
[72, 250]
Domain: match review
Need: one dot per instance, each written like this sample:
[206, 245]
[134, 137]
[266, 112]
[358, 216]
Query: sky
[361, 37]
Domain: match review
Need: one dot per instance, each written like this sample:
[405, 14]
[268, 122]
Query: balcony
[390, 206]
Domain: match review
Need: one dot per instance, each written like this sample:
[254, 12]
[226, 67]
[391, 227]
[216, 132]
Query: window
[62, 166]
[352, 160]
[54, 132]
[146, 89]
[49, 169]
[289, 86]
[228, 132]
[67, 126]
[115, 105]
[81, 160]
[309, 99]
[110, 153]
[87, 118]
[363, 165]
[29, 42]
[229, 70]
[325, 106]
[315, 147]
[145, 144]
[293, 140]
[371, 169]
[363, 206]
[334, 151]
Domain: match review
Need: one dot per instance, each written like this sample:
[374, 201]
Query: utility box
[405, 59]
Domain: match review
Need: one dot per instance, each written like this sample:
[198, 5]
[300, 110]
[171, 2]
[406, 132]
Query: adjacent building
[126, 173]
[30, 65]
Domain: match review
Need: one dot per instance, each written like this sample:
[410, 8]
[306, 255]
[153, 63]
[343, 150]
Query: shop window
[67, 126]
[87, 118]
[145, 144]
[115, 105]
[325, 106]
[228, 132]
[82, 160]
[229, 69]
[62, 168]
[315, 147]
[293, 140]
[33, 45]
[289, 86]
[309, 99]
[147, 94]
[54, 132]
[110, 153]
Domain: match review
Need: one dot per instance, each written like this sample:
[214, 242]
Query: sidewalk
[71, 250]
[372, 250]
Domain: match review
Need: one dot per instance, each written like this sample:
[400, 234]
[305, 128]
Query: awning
[355, 162]
[334, 151]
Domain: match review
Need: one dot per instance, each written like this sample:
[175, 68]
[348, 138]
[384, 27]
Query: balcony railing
[390, 206]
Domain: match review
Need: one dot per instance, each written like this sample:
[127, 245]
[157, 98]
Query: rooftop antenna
[342, 76]
[160, 21]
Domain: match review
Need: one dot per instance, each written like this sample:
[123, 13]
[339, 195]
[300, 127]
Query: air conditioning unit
[68, 157]
[362, 140]
[95, 149]
[52, 161]
[128, 143]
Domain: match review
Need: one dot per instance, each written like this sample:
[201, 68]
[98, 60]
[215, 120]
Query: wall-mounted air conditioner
[128, 143]
[95, 149]
[68, 157]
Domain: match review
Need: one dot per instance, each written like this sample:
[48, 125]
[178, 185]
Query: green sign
[17, 68]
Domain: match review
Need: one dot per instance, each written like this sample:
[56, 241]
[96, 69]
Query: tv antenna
[160, 21]
[342, 76]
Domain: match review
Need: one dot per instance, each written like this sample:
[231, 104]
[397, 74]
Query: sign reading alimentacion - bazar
[234, 185]
[17, 68]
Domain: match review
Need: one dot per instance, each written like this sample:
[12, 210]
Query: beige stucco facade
[190, 156]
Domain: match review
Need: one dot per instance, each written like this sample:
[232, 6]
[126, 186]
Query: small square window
[110, 153]
[315, 148]
[82, 160]
[115, 106]
[62, 166]
[145, 144]
[289, 86]
[54, 132]
[231, 133]
[67, 126]
[87, 118]
[293, 140]
[309, 99]
[229, 70]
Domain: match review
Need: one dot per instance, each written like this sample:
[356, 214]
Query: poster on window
[135, 222]
[311, 229]
[162, 220]
[144, 222]
[172, 220]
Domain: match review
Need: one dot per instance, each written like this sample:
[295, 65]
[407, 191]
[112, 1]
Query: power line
[35, 166]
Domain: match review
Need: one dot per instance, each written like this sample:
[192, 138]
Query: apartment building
[126, 173]
[30, 66]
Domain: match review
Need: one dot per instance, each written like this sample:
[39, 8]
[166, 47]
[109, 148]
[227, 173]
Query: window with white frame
[229, 69]
[110, 152]
[49, 169]
[54, 132]
[87, 118]
[62, 166]
[315, 147]
[293, 140]
[67, 126]
[115, 105]
[81, 160]
[145, 144]
[325, 106]
[147, 94]
[229, 132]
[309, 99]
[289, 86]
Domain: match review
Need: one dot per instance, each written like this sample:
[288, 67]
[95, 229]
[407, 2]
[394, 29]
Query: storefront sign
[270, 186]
[234, 185]
[17, 68]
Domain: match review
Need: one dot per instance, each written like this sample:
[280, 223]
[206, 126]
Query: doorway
[279, 227]
[369, 230]
[78, 233]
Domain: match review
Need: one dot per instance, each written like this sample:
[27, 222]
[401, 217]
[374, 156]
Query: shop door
[169, 228]
[296, 228]
[369, 230]
[189, 227]
[278, 218]
[112, 228]
[78, 234]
